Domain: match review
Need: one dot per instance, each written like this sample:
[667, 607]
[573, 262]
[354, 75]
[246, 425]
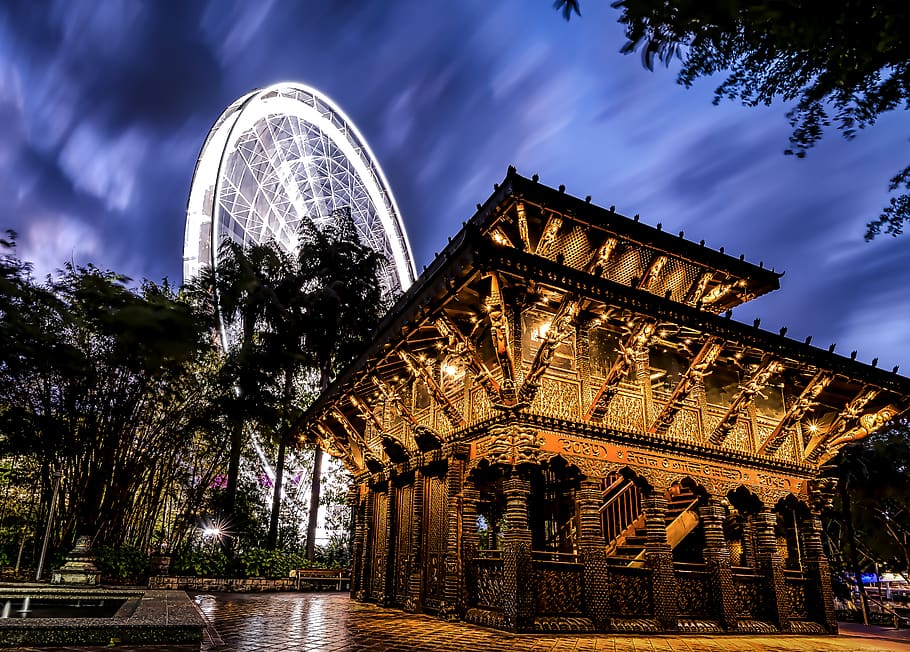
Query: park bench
[337, 579]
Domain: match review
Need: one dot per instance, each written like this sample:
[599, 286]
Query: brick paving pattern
[332, 622]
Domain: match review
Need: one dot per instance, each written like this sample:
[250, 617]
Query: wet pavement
[332, 622]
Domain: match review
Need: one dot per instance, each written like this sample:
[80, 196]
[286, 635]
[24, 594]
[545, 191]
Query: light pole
[58, 475]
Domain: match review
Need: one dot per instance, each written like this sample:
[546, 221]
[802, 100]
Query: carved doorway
[435, 516]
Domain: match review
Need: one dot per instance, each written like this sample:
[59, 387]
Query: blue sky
[104, 106]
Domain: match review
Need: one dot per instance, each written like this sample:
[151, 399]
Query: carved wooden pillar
[659, 558]
[592, 554]
[366, 546]
[388, 567]
[358, 516]
[452, 608]
[469, 540]
[517, 598]
[414, 601]
[717, 560]
[770, 566]
[819, 599]
[748, 541]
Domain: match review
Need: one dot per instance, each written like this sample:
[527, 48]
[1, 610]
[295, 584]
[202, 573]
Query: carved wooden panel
[488, 574]
[686, 426]
[630, 592]
[694, 597]
[481, 406]
[796, 592]
[557, 588]
[380, 544]
[557, 398]
[404, 504]
[435, 518]
[748, 597]
[626, 412]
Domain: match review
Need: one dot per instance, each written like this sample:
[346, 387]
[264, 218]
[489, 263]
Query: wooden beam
[461, 346]
[868, 423]
[838, 427]
[419, 370]
[638, 341]
[652, 273]
[391, 396]
[601, 258]
[548, 237]
[366, 412]
[502, 340]
[697, 289]
[753, 385]
[805, 402]
[523, 225]
[699, 367]
[560, 328]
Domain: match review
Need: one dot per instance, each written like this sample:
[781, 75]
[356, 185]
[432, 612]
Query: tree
[343, 303]
[872, 510]
[105, 383]
[845, 63]
[241, 295]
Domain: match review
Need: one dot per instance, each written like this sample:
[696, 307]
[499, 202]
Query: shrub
[272, 564]
[201, 563]
[122, 564]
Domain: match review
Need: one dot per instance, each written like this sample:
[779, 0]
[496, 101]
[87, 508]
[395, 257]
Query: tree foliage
[873, 503]
[841, 63]
[107, 384]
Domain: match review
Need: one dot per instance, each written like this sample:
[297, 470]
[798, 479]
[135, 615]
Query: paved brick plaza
[333, 622]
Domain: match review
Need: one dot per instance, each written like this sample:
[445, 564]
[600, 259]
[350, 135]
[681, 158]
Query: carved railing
[630, 591]
[694, 599]
[796, 592]
[488, 578]
[747, 587]
[557, 588]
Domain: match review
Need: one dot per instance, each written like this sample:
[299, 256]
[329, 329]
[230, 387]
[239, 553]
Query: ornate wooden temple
[559, 428]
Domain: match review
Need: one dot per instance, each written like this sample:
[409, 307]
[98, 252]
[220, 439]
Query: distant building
[557, 428]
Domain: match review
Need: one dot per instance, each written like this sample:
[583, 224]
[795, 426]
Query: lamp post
[58, 475]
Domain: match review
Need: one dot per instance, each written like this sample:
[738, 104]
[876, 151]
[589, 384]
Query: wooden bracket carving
[753, 385]
[548, 237]
[561, 327]
[419, 370]
[805, 402]
[502, 340]
[651, 274]
[462, 347]
[838, 428]
[698, 369]
[523, 226]
[638, 341]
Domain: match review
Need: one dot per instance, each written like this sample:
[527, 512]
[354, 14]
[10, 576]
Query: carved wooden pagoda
[558, 428]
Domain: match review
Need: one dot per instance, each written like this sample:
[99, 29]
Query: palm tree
[343, 303]
[242, 291]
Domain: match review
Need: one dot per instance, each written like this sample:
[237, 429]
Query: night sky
[105, 104]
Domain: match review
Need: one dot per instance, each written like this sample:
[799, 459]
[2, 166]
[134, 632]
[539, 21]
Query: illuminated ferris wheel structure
[281, 155]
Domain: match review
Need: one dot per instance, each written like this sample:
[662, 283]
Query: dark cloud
[104, 107]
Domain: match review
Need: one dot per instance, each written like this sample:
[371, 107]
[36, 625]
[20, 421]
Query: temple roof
[531, 250]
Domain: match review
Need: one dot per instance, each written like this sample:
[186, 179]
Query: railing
[746, 584]
[694, 597]
[558, 557]
[488, 594]
[634, 588]
[557, 587]
[621, 508]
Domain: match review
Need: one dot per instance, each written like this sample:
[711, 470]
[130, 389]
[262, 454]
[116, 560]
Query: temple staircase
[624, 521]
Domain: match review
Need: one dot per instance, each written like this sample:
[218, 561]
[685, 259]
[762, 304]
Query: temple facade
[560, 428]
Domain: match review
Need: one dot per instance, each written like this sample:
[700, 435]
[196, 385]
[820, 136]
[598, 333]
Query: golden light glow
[450, 369]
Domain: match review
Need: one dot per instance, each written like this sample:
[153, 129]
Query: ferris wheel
[281, 155]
